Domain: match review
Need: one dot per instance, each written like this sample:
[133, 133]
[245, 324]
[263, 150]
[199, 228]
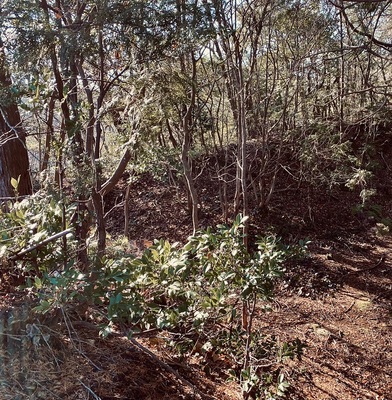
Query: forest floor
[337, 301]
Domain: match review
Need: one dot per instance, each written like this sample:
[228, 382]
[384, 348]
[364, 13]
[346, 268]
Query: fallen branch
[358, 271]
[91, 326]
[35, 246]
[90, 391]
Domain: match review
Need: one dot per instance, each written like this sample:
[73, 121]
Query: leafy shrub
[29, 222]
[188, 290]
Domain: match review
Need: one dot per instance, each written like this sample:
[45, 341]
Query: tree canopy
[251, 94]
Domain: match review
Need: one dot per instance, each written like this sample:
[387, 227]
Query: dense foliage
[249, 91]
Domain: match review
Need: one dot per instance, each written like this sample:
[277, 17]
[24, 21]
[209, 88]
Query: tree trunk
[14, 160]
[49, 133]
[189, 180]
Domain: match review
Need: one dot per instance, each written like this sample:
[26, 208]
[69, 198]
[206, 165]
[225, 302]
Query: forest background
[232, 104]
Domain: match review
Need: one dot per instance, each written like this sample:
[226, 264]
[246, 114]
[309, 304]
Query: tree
[14, 160]
[257, 85]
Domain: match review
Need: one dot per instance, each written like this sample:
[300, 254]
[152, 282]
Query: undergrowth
[203, 295]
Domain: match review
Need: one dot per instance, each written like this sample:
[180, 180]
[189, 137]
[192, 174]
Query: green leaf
[43, 307]
[244, 219]
[105, 331]
[15, 182]
[246, 291]
[38, 283]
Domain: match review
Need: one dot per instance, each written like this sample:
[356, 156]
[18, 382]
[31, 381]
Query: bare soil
[337, 301]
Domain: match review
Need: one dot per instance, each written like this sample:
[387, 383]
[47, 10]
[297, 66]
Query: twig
[14, 198]
[90, 391]
[47, 343]
[121, 204]
[382, 258]
[387, 165]
[350, 307]
[90, 325]
[70, 336]
[69, 326]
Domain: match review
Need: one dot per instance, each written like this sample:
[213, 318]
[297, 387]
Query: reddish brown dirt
[337, 301]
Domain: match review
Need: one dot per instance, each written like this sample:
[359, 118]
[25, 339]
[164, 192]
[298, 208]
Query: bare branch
[35, 246]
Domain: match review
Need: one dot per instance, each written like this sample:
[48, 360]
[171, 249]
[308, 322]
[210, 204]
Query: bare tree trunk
[126, 211]
[94, 126]
[244, 171]
[186, 145]
[49, 133]
[237, 88]
[341, 81]
[189, 180]
[122, 165]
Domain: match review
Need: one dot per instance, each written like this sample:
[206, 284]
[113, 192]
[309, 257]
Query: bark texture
[14, 160]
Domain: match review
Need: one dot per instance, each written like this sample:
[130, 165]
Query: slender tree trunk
[189, 180]
[49, 133]
[186, 145]
[341, 81]
[94, 126]
[126, 211]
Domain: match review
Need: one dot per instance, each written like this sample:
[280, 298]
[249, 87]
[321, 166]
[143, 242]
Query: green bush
[190, 290]
[187, 291]
[26, 223]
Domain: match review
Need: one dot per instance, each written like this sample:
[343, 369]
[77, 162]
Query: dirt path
[348, 330]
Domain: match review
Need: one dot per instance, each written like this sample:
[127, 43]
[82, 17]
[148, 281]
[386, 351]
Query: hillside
[336, 301]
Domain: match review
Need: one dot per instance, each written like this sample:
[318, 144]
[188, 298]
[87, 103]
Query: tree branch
[35, 246]
[111, 182]
[385, 45]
